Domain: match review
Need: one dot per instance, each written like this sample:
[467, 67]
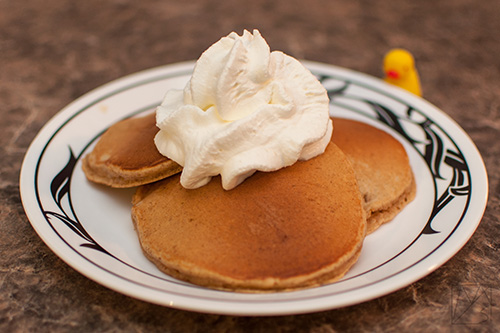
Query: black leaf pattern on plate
[457, 186]
[60, 190]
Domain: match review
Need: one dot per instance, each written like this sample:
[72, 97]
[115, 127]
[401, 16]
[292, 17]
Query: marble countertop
[53, 51]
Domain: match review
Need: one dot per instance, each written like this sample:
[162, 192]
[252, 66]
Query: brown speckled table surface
[53, 51]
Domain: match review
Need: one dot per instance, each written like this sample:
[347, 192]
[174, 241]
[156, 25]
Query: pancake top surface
[129, 144]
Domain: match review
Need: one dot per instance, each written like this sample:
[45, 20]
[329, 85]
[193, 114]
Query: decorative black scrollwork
[60, 190]
[457, 186]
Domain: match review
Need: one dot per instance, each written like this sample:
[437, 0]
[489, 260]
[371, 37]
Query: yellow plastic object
[399, 69]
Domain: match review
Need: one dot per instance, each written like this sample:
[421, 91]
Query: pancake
[297, 227]
[126, 156]
[382, 169]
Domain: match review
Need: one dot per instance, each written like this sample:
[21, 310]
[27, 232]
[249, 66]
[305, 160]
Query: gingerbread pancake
[126, 156]
[298, 227]
[381, 166]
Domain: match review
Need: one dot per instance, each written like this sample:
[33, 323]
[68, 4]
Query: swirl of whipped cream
[244, 109]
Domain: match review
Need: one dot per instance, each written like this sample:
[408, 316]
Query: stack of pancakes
[297, 227]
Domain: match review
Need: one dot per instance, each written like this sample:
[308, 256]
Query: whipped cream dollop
[244, 109]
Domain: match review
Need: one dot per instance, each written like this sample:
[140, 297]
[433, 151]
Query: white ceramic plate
[90, 228]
